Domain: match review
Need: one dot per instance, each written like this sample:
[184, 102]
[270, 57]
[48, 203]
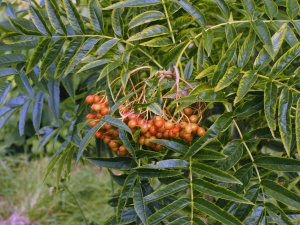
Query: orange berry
[89, 99]
[144, 128]
[90, 116]
[152, 130]
[93, 123]
[200, 131]
[141, 140]
[188, 111]
[169, 125]
[159, 135]
[104, 111]
[159, 123]
[194, 119]
[188, 129]
[97, 98]
[96, 107]
[113, 144]
[99, 134]
[132, 124]
[194, 127]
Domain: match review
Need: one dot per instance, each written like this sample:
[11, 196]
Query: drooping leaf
[146, 17]
[284, 119]
[106, 47]
[53, 100]
[116, 122]
[214, 173]
[278, 215]
[172, 145]
[270, 102]
[126, 142]
[189, 69]
[152, 31]
[230, 76]
[132, 3]
[216, 212]
[37, 110]
[281, 194]
[247, 81]
[138, 202]
[22, 120]
[249, 6]
[73, 16]
[116, 22]
[224, 8]
[93, 64]
[10, 59]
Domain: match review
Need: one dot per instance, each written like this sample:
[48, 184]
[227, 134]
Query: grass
[23, 191]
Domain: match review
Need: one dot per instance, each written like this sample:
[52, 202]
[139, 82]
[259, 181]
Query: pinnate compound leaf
[216, 212]
[281, 194]
[284, 119]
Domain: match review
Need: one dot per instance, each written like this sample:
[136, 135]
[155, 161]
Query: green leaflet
[167, 190]
[208, 95]
[138, 202]
[152, 31]
[247, 81]
[271, 8]
[216, 212]
[167, 211]
[168, 164]
[270, 102]
[38, 20]
[218, 191]
[126, 142]
[292, 8]
[172, 145]
[278, 164]
[157, 42]
[37, 111]
[107, 69]
[246, 49]
[206, 72]
[192, 10]
[10, 59]
[116, 122]
[281, 194]
[230, 76]
[116, 22]
[146, 17]
[263, 33]
[234, 151]
[37, 54]
[263, 59]
[184, 220]
[54, 17]
[224, 8]
[249, 6]
[95, 15]
[224, 61]
[284, 119]
[120, 163]
[214, 173]
[297, 123]
[133, 3]
[154, 173]
[73, 16]
[66, 57]
[125, 193]
[7, 72]
[278, 215]
[106, 47]
[285, 60]
[208, 41]
[53, 51]
[93, 64]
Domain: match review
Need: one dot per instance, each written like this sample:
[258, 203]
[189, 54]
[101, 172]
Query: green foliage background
[241, 59]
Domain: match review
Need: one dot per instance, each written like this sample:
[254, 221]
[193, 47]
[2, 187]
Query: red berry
[169, 125]
[133, 116]
[97, 98]
[193, 119]
[96, 107]
[132, 124]
[188, 137]
[104, 111]
[147, 134]
[158, 147]
[113, 144]
[188, 129]
[144, 128]
[106, 139]
[166, 134]
[115, 149]
[107, 126]
[99, 116]
[188, 111]
[159, 123]
[194, 127]
[90, 116]
[159, 135]
[99, 134]
[141, 140]
[157, 118]
[89, 99]
[183, 124]
[122, 150]
[152, 130]
[93, 123]
[201, 131]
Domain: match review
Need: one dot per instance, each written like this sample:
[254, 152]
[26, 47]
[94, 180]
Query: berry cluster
[155, 128]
